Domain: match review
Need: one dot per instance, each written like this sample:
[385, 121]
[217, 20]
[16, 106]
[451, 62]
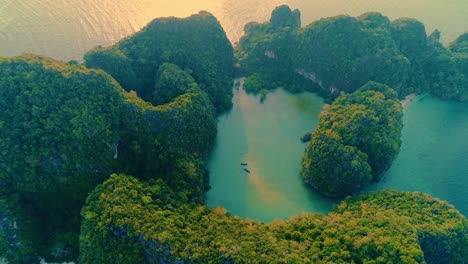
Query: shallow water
[267, 137]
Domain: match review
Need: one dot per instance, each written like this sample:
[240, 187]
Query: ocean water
[66, 29]
[434, 154]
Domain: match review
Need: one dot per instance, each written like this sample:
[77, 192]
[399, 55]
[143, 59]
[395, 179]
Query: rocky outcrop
[312, 76]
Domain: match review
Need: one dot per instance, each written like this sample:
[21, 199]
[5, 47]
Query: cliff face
[12, 235]
[197, 44]
[65, 128]
[343, 53]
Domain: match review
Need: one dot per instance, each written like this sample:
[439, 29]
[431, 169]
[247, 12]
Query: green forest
[126, 221]
[343, 53]
[105, 161]
[67, 128]
[355, 142]
[197, 44]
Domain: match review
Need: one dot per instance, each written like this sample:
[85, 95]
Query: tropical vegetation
[147, 107]
[357, 138]
[126, 221]
[343, 53]
[66, 128]
[196, 44]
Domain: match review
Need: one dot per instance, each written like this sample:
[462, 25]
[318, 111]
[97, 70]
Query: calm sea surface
[266, 136]
[66, 29]
[434, 154]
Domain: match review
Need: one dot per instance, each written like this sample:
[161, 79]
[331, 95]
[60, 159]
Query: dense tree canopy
[58, 126]
[197, 44]
[169, 141]
[282, 16]
[460, 45]
[127, 221]
[355, 142]
[171, 82]
[56, 119]
[264, 54]
[115, 63]
[343, 53]
[65, 128]
[459, 49]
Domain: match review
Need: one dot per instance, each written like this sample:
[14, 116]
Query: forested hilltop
[71, 135]
[65, 129]
[343, 53]
[356, 141]
[197, 44]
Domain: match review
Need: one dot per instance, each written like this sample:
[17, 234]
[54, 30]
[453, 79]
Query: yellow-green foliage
[126, 221]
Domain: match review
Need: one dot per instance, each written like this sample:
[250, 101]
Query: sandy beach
[408, 99]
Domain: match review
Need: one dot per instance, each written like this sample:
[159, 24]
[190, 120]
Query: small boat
[247, 170]
[244, 164]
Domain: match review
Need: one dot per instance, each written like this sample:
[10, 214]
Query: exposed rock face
[313, 77]
[270, 54]
[342, 53]
[68, 127]
[12, 244]
[306, 137]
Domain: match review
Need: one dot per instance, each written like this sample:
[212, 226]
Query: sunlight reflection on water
[66, 29]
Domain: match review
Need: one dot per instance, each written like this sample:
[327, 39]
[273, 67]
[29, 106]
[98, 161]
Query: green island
[104, 162]
[356, 141]
[343, 53]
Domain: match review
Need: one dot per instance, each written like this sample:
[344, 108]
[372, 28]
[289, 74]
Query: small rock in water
[306, 137]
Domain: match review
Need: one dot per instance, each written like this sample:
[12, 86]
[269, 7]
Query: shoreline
[408, 99]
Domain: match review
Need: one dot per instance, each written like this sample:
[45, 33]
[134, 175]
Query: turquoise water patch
[433, 156]
[267, 137]
[434, 152]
